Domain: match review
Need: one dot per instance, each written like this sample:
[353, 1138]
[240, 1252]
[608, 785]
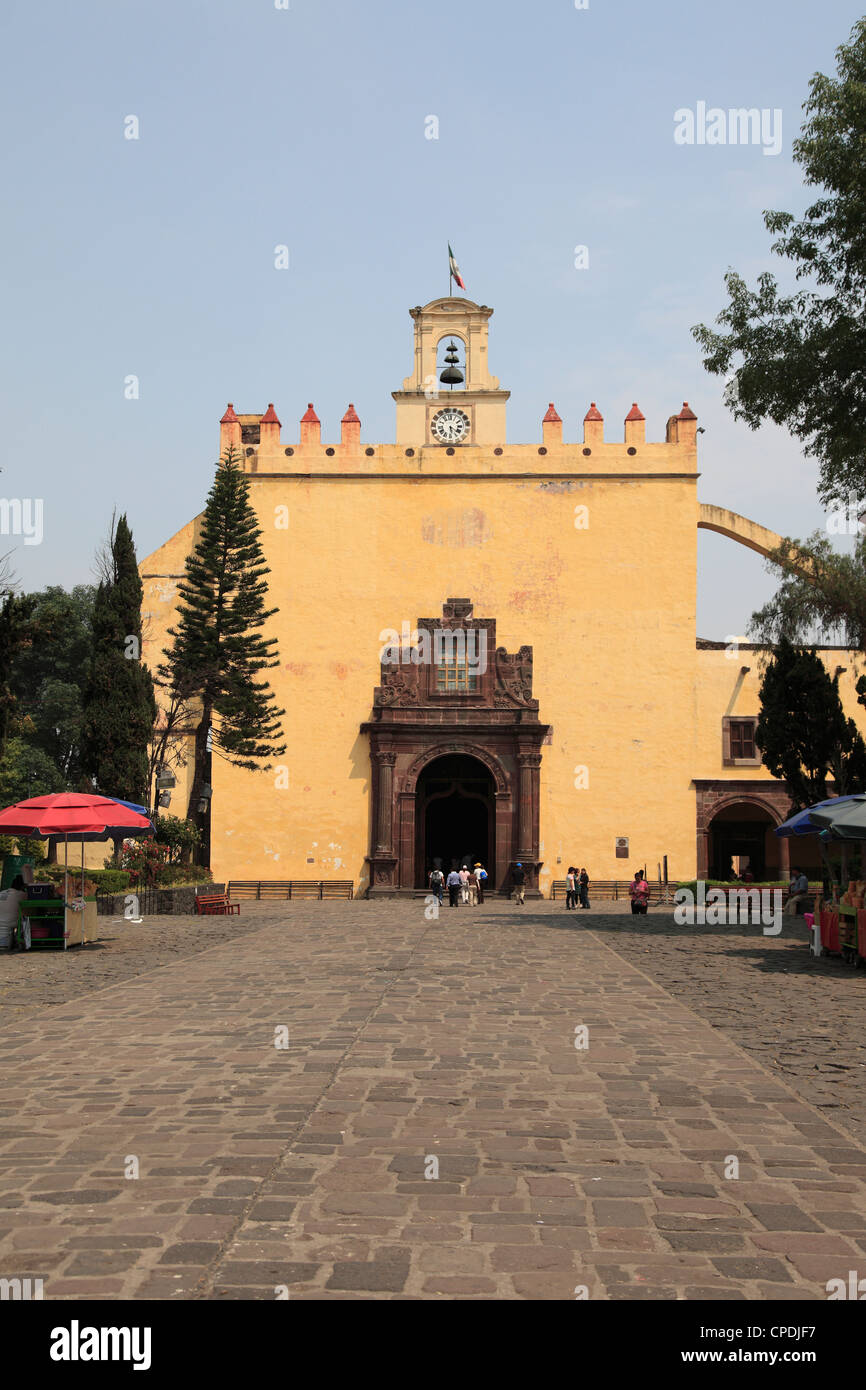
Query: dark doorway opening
[738, 834]
[454, 816]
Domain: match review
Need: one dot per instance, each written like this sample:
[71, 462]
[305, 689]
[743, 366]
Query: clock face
[450, 426]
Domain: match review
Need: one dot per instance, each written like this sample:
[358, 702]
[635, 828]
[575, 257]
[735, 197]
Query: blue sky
[306, 126]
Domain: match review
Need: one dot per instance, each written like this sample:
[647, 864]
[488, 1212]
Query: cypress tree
[119, 705]
[802, 730]
[218, 651]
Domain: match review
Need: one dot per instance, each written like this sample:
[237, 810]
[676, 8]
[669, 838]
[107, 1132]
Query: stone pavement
[413, 1047]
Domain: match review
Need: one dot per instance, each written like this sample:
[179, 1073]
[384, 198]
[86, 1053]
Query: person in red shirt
[638, 891]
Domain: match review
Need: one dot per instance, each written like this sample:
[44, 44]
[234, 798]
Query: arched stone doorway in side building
[455, 753]
[736, 822]
[455, 815]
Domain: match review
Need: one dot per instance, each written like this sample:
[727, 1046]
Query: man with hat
[518, 878]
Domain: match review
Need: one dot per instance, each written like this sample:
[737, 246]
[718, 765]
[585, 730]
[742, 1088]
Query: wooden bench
[607, 889]
[559, 888]
[263, 890]
[207, 904]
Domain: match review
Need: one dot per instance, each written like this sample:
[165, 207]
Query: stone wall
[178, 900]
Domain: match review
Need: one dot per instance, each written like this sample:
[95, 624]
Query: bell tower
[451, 399]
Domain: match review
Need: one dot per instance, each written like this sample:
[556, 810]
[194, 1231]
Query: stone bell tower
[447, 402]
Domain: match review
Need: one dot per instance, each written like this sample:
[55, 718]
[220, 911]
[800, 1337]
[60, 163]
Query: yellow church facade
[488, 650]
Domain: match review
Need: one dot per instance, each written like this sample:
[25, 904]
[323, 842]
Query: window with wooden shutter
[738, 743]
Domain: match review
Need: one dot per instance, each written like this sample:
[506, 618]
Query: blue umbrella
[846, 823]
[111, 831]
[802, 823]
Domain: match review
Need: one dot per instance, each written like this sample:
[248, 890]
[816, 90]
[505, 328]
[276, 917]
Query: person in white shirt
[480, 878]
[453, 884]
[472, 884]
[9, 901]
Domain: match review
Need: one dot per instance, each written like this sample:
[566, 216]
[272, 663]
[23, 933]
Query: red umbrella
[83, 816]
[70, 813]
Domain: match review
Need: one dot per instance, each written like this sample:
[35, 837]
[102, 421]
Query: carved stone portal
[446, 689]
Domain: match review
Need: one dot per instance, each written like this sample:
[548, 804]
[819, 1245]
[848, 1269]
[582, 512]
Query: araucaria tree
[119, 706]
[802, 731]
[799, 359]
[218, 650]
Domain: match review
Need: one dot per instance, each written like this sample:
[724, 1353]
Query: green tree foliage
[180, 837]
[802, 731]
[16, 614]
[218, 651]
[48, 667]
[799, 358]
[119, 705]
[26, 771]
[820, 589]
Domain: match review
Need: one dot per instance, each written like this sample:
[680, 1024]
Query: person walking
[583, 888]
[480, 878]
[518, 879]
[437, 882]
[472, 885]
[453, 882]
[571, 889]
[464, 883]
[638, 891]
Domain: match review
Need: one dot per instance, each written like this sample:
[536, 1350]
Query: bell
[452, 374]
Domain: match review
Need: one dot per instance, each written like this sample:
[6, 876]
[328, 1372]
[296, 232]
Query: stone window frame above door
[484, 688]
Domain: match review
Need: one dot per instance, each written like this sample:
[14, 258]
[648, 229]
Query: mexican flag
[454, 268]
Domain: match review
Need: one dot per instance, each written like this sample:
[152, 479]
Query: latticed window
[456, 677]
[742, 738]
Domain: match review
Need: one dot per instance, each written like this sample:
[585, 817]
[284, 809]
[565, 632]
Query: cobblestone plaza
[348, 1101]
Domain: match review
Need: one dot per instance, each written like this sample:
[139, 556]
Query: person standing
[453, 882]
[518, 880]
[472, 885]
[10, 899]
[437, 882]
[638, 891]
[571, 889]
[464, 883]
[583, 888]
[480, 878]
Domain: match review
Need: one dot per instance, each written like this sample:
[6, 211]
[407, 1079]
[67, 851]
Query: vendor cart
[55, 923]
[51, 924]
